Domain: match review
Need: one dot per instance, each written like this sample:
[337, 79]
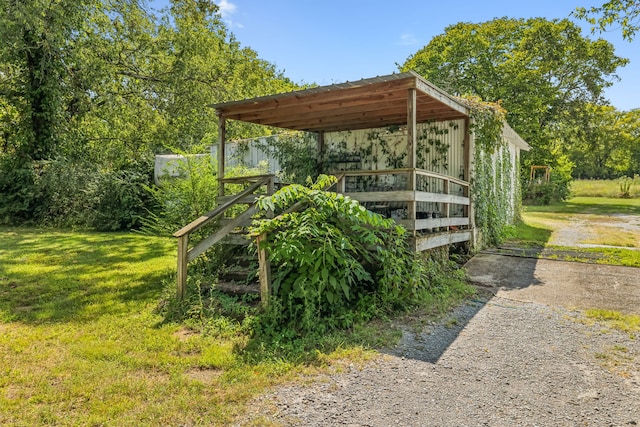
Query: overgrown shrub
[556, 190]
[179, 200]
[335, 264]
[121, 198]
[64, 193]
[19, 192]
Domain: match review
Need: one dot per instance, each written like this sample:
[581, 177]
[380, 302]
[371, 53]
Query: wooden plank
[423, 224]
[371, 102]
[183, 245]
[441, 96]
[209, 216]
[423, 196]
[264, 270]
[430, 174]
[246, 179]
[332, 93]
[383, 196]
[423, 243]
[221, 233]
[376, 172]
[445, 206]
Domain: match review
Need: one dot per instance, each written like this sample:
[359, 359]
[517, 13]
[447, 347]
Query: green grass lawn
[80, 343]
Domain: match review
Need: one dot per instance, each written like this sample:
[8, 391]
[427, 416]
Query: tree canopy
[621, 14]
[102, 85]
[543, 72]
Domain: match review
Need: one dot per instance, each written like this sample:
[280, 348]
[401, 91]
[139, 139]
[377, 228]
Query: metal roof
[368, 103]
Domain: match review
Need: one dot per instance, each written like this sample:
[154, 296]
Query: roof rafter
[368, 103]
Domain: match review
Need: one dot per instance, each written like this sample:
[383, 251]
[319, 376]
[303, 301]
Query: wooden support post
[271, 188]
[221, 152]
[183, 248]
[445, 206]
[340, 185]
[411, 149]
[320, 152]
[264, 270]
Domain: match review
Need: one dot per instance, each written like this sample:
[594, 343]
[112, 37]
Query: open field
[82, 342]
[609, 227]
[609, 188]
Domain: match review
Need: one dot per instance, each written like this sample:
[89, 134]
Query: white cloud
[408, 40]
[226, 8]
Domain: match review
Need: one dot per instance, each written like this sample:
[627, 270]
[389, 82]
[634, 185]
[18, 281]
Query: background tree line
[90, 90]
[550, 79]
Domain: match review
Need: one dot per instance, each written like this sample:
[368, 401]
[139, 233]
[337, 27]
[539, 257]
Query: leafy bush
[19, 191]
[64, 193]
[556, 190]
[182, 199]
[335, 264]
[121, 198]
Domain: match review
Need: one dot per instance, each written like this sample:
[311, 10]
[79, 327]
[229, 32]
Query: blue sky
[329, 41]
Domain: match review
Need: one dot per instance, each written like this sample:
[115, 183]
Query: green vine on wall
[493, 172]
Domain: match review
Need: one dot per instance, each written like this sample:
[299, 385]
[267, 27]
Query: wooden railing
[396, 193]
[247, 196]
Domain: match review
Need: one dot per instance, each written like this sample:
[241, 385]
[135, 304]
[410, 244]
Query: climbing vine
[493, 176]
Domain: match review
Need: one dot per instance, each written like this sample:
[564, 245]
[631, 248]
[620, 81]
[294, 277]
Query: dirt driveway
[571, 285]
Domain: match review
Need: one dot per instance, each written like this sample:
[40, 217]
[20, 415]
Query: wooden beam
[441, 239]
[441, 96]
[320, 152]
[183, 248]
[332, 93]
[222, 137]
[361, 103]
[264, 270]
[422, 224]
[412, 144]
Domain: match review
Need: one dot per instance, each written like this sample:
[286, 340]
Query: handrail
[240, 179]
[443, 177]
[421, 172]
[209, 216]
[185, 255]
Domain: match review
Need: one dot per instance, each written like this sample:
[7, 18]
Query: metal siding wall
[250, 158]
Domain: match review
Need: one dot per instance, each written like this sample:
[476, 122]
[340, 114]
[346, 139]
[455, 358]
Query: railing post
[340, 185]
[264, 270]
[445, 206]
[183, 260]
[411, 204]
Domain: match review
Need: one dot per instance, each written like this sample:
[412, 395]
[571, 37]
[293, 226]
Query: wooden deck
[435, 211]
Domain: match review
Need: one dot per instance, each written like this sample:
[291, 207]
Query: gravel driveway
[495, 361]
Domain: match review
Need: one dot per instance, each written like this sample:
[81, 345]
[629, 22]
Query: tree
[607, 143]
[102, 85]
[624, 13]
[542, 72]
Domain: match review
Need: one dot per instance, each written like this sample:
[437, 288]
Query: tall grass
[602, 188]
